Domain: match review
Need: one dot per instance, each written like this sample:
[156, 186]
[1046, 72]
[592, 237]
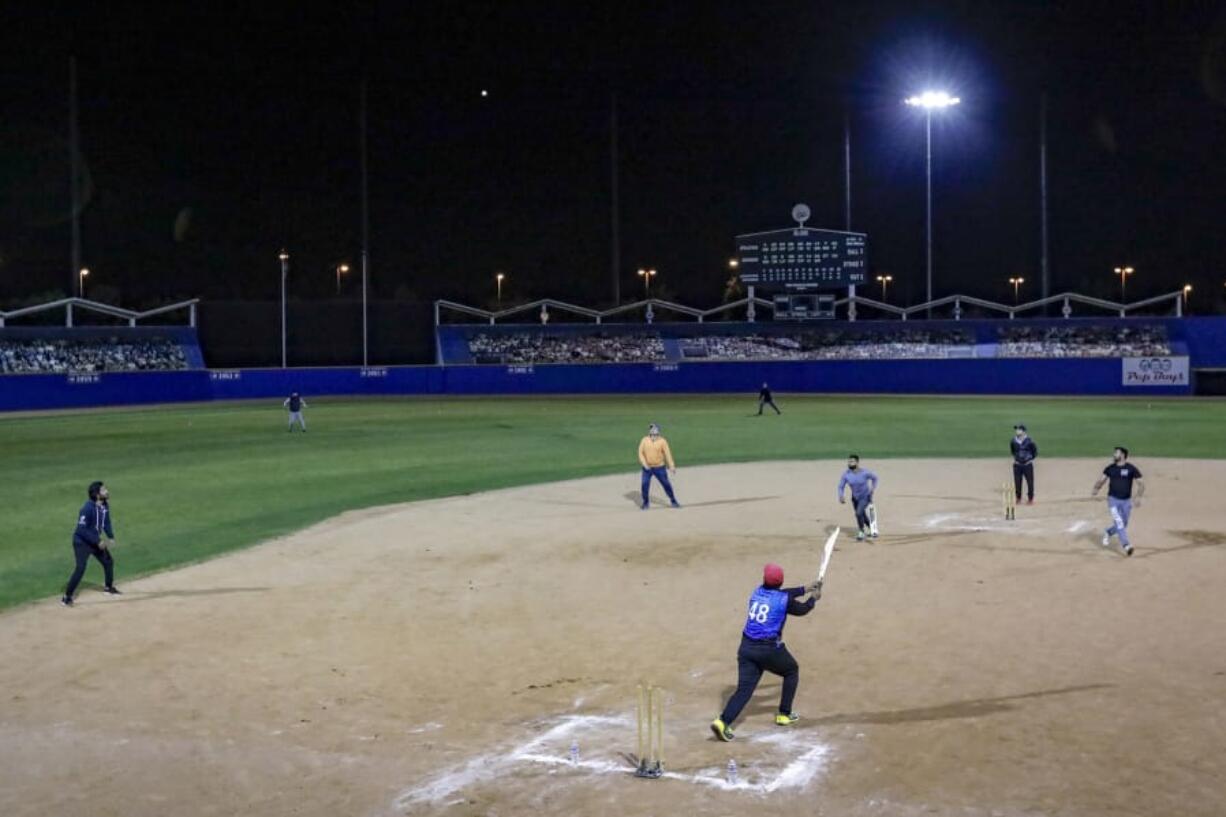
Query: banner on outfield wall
[1155, 371]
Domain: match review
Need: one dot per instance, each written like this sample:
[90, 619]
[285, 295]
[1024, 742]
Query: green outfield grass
[191, 482]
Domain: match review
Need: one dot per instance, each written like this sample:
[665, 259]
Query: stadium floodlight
[81, 281]
[283, 256]
[647, 275]
[928, 102]
[1124, 272]
[341, 269]
[498, 279]
[933, 100]
[1017, 282]
[885, 281]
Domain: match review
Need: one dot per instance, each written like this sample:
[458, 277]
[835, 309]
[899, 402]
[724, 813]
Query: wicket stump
[1008, 500]
[650, 755]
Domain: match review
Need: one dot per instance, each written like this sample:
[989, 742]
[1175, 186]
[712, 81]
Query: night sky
[214, 136]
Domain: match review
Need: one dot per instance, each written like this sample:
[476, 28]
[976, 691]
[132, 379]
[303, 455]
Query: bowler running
[1121, 474]
[762, 648]
[863, 485]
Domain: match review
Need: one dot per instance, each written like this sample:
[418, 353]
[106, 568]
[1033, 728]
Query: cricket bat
[821, 574]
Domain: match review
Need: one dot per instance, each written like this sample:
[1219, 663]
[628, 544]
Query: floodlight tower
[930, 101]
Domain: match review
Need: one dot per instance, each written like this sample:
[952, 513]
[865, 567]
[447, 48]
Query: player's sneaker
[112, 591]
[721, 730]
[675, 504]
[873, 535]
[1106, 539]
[67, 602]
[786, 719]
[1127, 550]
[643, 506]
[1030, 501]
[859, 536]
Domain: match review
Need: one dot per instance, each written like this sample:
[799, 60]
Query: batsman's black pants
[83, 550]
[752, 659]
[1026, 471]
[763, 402]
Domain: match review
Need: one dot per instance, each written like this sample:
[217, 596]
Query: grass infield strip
[190, 482]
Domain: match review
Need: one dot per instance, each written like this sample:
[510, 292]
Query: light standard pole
[81, 282]
[284, 256]
[1186, 289]
[885, 280]
[1123, 272]
[342, 269]
[647, 275]
[930, 101]
[1017, 282]
[498, 280]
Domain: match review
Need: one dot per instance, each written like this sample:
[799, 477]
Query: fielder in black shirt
[764, 399]
[1024, 454]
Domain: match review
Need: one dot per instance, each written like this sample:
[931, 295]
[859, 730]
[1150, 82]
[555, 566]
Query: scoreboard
[801, 259]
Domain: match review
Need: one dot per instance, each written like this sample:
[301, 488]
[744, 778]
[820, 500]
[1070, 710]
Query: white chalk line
[797, 773]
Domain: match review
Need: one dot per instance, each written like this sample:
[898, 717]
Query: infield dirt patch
[441, 657]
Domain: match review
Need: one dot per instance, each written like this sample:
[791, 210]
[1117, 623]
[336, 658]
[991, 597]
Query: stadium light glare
[930, 101]
[498, 278]
[933, 100]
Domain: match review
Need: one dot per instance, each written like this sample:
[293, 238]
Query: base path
[443, 657]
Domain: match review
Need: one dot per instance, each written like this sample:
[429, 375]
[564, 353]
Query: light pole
[284, 256]
[930, 101]
[341, 269]
[1123, 272]
[81, 282]
[885, 281]
[498, 281]
[1186, 289]
[1017, 282]
[647, 275]
[733, 263]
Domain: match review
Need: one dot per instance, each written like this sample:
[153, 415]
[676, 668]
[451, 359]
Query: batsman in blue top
[762, 648]
[93, 520]
[863, 484]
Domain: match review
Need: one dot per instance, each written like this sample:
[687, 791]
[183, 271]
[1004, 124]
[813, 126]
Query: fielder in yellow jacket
[657, 461]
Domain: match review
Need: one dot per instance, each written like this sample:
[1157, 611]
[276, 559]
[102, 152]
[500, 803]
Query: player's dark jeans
[770, 403]
[861, 508]
[661, 474]
[83, 550]
[1026, 471]
[752, 659]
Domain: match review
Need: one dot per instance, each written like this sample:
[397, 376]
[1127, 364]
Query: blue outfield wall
[1095, 376]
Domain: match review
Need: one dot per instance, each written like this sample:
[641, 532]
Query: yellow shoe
[786, 720]
[721, 730]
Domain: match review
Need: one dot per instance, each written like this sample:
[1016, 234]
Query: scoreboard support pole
[749, 310]
[851, 302]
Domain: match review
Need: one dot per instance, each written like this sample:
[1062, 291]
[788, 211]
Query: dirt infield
[441, 657]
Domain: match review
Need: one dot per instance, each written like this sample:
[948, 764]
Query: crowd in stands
[537, 347]
[825, 343]
[1083, 341]
[49, 356]
[835, 344]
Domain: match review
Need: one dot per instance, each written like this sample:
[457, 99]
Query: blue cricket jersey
[768, 611]
[93, 520]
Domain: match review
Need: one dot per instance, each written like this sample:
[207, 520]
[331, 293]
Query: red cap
[772, 575]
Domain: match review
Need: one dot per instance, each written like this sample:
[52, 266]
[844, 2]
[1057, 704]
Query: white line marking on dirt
[1077, 526]
[806, 761]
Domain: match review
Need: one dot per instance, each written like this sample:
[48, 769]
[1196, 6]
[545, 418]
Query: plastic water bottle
[732, 772]
[574, 753]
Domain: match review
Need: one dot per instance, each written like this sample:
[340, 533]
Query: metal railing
[130, 315]
[650, 305]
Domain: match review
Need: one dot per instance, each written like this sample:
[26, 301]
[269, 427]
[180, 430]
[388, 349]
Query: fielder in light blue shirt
[863, 483]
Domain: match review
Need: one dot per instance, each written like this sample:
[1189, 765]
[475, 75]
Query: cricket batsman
[762, 648]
